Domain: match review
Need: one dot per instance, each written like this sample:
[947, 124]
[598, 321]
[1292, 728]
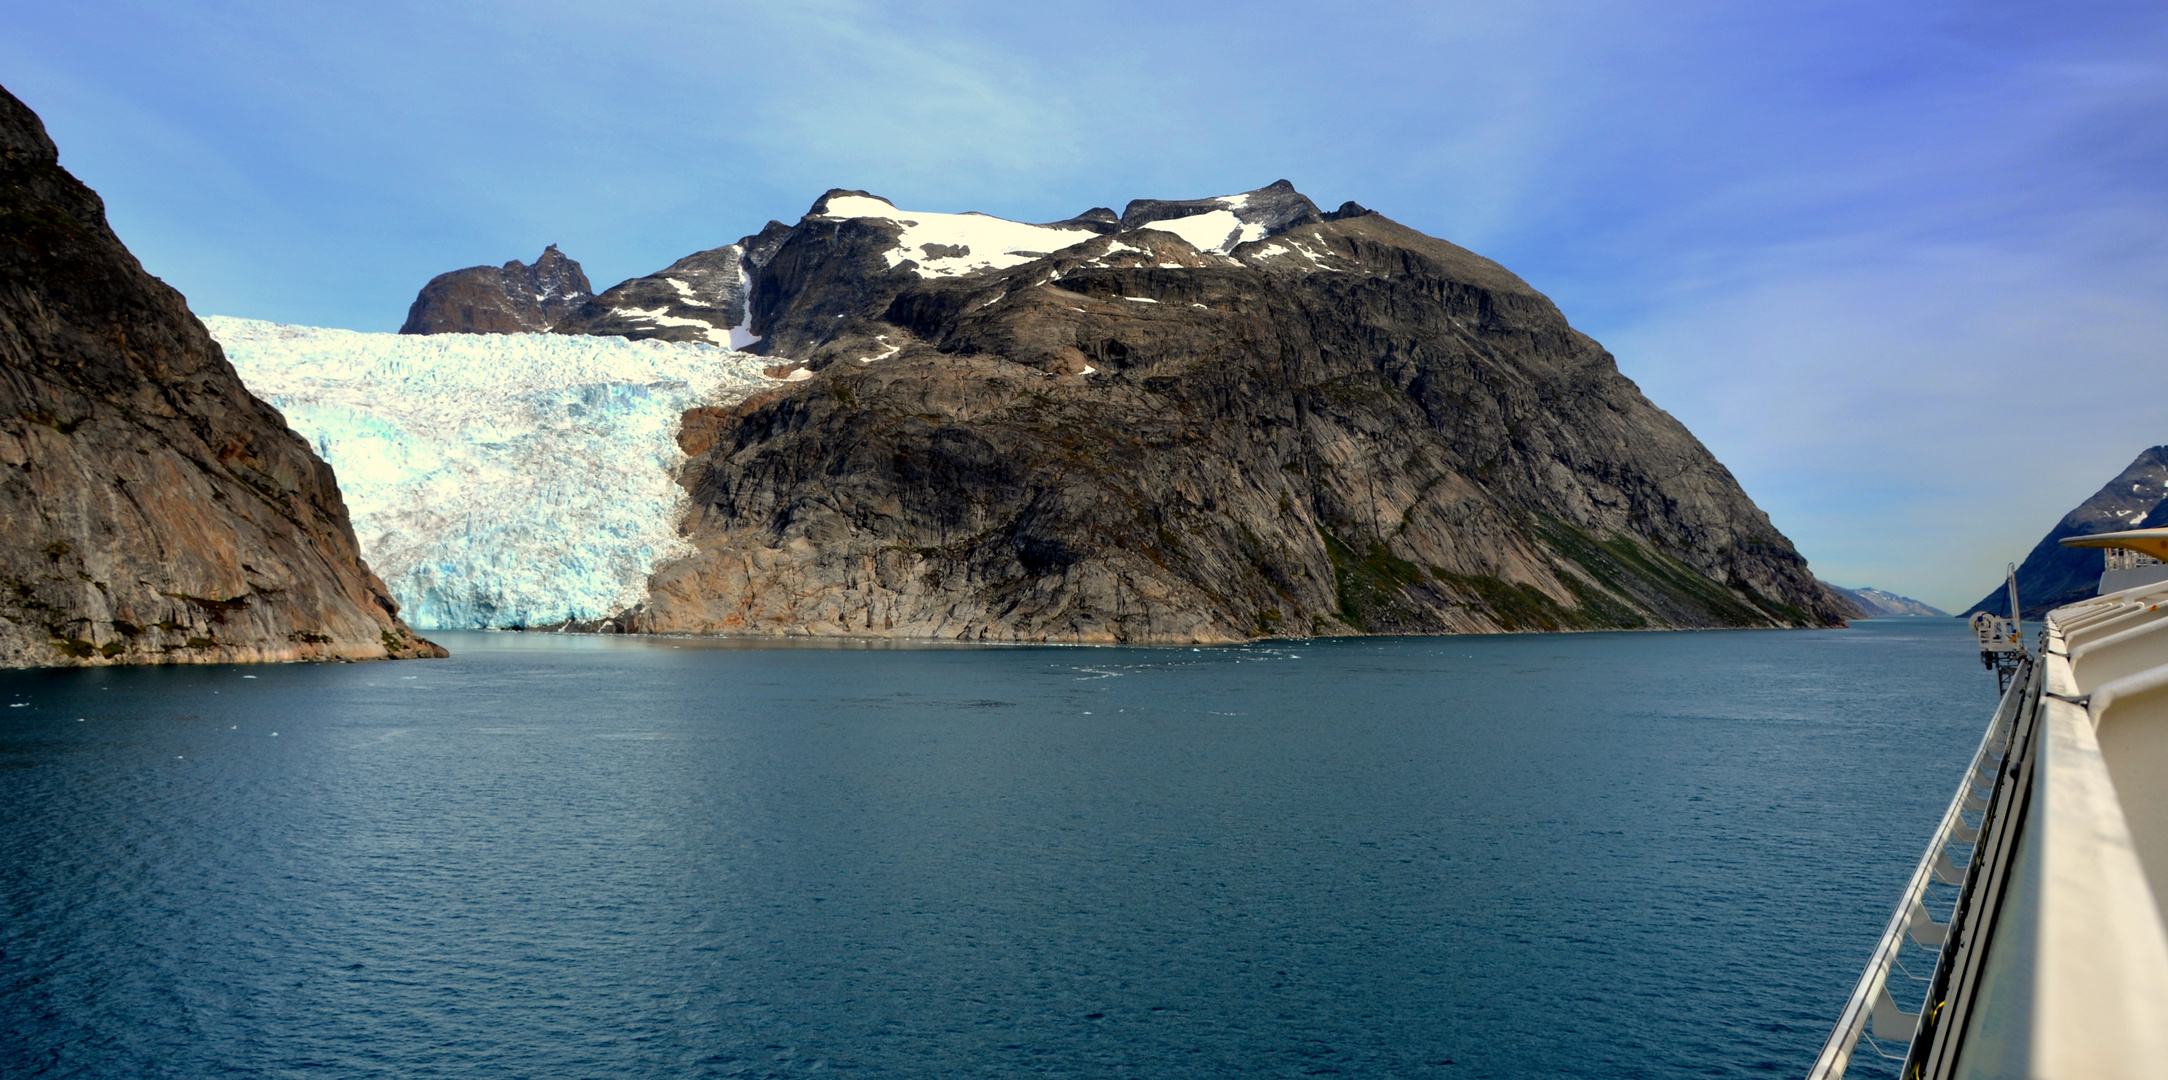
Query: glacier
[497, 480]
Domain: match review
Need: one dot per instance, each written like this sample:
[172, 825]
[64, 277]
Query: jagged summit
[701, 297]
[511, 299]
[708, 296]
[1271, 209]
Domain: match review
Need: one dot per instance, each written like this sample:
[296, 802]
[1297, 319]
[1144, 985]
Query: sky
[1902, 267]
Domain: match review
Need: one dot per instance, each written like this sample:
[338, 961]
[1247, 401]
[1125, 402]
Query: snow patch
[1141, 299]
[883, 339]
[1215, 230]
[988, 242]
[497, 479]
[742, 335]
[657, 316]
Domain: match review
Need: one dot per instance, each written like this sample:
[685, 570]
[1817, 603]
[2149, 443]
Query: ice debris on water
[497, 479]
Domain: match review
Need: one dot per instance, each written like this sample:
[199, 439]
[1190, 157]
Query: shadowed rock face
[1344, 426]
[511, 299]
[153, 510]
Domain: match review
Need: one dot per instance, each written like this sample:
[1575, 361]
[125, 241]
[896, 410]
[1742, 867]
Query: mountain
[2053, 575]
[1198, 420]
[511, 299]
[1881, 604]
[154, 511]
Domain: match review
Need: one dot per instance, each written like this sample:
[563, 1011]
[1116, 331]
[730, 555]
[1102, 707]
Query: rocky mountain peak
[701, 298]
[511, 299]
[553, 272]
[1273, 208]
[760, 247]
[820, 205]
[1203, 419]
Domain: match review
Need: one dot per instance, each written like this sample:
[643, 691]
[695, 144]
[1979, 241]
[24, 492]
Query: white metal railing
[2120, 559]
[1871, 1000]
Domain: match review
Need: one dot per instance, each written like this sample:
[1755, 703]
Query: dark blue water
[1615, 855]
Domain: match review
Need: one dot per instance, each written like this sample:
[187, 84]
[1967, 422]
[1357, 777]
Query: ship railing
[1873, 1014]
[2054, 961]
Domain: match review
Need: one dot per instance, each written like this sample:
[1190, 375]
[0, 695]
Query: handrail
[1836, 1053]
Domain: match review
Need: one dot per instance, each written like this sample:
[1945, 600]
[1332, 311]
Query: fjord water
[1615, 855]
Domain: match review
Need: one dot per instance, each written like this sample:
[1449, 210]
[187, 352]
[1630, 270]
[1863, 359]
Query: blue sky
[1904, 267]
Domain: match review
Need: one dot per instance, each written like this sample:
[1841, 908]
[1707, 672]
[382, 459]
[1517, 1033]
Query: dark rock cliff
[1341, 426]
[511, 299]
[2053, 575]
[154, 511]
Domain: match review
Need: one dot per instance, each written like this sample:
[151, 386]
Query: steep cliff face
[511, 299]
[154, 511]
[2053, 575]
[1204, 420]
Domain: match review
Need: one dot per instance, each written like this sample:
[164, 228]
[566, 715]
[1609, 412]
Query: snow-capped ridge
[1224, 222]
[943, 245]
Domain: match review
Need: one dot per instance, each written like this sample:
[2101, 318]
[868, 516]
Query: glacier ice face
[497, 479]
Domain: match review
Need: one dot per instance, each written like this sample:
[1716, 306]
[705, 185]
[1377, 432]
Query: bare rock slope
[1201, 420]
[154, 511]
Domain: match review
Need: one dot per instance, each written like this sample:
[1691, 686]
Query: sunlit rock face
[497, 480]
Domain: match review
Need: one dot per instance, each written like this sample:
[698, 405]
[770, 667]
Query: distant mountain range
[2053, 575]
[1881, 604]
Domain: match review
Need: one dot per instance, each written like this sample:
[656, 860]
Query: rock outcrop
[1201, 420]
[154, 511]
[701, 297]
[511, 299]
[2053, 575]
